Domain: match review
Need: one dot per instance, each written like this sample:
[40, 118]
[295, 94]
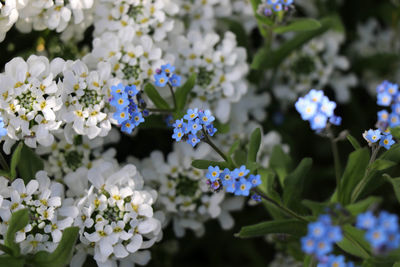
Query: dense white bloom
[8, 16]
[30, 99]
[49, 212]
[316, 65]
[184, 195]
[116, 216]
[220, 67]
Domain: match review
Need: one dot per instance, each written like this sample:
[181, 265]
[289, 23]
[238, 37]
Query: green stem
[336, 160]
[173, 95]
[208, 141]
[283, 208]
[360, 186]
[4, 163]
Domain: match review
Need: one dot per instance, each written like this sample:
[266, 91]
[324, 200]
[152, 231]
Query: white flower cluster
[49, 212]
[116, 217]
[220, 67]
[38, 98]
[316, 65]
[184, 196]
[41, 14]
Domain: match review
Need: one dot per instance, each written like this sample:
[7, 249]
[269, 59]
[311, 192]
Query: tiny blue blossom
[194, 126]
[394, 120]
[206, 117]
[319, 121]
[168, 69]
[161, 79]
[191, 114]
[384, 99]
[243, 188]
[120, 101]
[383, 115]
[255, 180]
[193, 140]
[213, 173]
[226, 177]
[178, 134]
[121, 116]
[211, 130]
[256, 198]
[131, 90]
[372, 136]
[175, 80]
[386, 141]
[127, 126]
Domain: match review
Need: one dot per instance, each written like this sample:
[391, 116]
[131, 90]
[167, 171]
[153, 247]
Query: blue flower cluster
[276, 5]
[333, 260]
[238, 181]
[166, 74]
[382, 232]
[3, 130]
[192, 126]
[127, 113]
[388, 95]
[373, 136]
[321, 237]
[316, 108]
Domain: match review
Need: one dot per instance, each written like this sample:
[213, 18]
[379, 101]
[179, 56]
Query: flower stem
[360, 186]
[336, 158]
[208, 141]
[283, 208]
[173, 95]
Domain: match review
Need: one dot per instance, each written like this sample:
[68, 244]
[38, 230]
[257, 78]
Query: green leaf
[288, 226]
[315, 207]
[294, 183]
[18, 221]
[155, 97]
[204, 164]
[61, 256]
[395, 132]
[234, 147]
[265, 58]
[363, 205]
[6, 249]
[240, 157]
[353, 142]
[396, 264]
[29, 164]
[15, 160]
[267, 185]
[354, 242]
[182, 92]
[303, 24]
[354, 172]
[254, 145]
[395, 182]
[7, 260]
[280, 163]
[382, 164]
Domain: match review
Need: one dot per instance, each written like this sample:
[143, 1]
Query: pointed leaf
[18, 221]
[354, 172]
[7, 260]
[354, 242]
[182, 92]
[294, 183]
[303, 24]
[353, 142]
[234, 147]
[280, 163]
[288, 226]
[382, 164]
[395, 182]
[29, 164]
[155, 97]
[363, 205]
[61, 256]
[15, 160]
[254, 145]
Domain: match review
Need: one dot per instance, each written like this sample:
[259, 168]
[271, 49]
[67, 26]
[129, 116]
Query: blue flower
[323, 247]
[128, 126]
[137, 118]
[319, 121]
[226, 177]
[372, 136]
[327, 107]
[178, 134]
[315, 96]
[335, 120]
[306, 108]
[255, 180]
[194, 126]
[178, 123]
[213, 173]
[317, 229]
[211, 130]
[231, 188]
[386, 141]
[161, 79]
[336, 261]
[335, 234]
[376, 237]
[191, 114]
[168, 69]
[193, 140]
[388, 221]
[392, 88]
[382, 87]
[308, 244]
[393, 240]
[366, 220]
[396, 108]
[131, 90]
[256, 197]
[384, 99]
[383, 115]
[287, 2]
[277, 7]
[394, 120]
[120, 101]
[121, 115]
[175, 80]
[243, 188]
[206, 117]
[273, 2]
[118, 89]
[240, 172]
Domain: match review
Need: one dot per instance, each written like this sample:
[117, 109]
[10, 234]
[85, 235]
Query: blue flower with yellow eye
[206, 117]
[128, 126]
[120, 101]
[319, 121]
[386, 141]
[178, 134]
[194, 126]
[226, 177]
[384, 99]
[255, 180]
[327, 107]
[161, 79]
[117, 89]
[168, 69]
[191, 114]
[287, 2]
[392, 88]
[394, 120]
[121, 116]
[137, 118]
[306, 108]
[131, 90]
[372, 136]
[383, 115]
[213, 173]
[243, 188]
[178, 123]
